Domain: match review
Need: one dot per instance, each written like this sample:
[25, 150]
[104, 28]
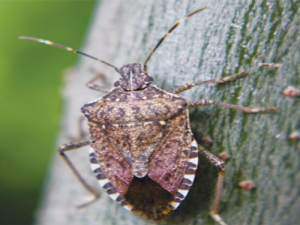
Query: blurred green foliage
[30, 80]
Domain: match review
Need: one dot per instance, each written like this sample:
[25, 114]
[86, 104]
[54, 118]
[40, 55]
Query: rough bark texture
[204, 47]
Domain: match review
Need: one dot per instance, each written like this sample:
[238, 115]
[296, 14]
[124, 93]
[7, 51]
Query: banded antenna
[47, 42]
[169, 31]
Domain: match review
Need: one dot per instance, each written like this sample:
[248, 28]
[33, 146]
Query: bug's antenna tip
[169, 31]
[27, 38]
[47, 42]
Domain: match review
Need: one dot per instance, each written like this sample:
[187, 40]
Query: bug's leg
[218, 190]
[72, 146]
[82, 134]
[237, 107]
[219, 80]
[91, 84]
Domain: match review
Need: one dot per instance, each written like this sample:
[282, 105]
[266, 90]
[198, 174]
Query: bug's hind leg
[214, 209]
[72, 146]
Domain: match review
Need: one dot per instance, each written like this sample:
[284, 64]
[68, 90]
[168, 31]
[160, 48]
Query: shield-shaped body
[142, 149]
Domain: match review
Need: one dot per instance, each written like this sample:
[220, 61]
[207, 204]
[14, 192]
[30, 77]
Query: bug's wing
[115, 168]
[170, 160]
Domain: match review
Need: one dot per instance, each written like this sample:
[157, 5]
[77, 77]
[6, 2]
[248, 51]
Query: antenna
[169, 31]
[47, 42]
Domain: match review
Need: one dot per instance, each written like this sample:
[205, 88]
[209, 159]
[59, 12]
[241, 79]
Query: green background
[30, 80]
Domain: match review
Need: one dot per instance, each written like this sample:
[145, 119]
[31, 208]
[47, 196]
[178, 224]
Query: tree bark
[228, 37]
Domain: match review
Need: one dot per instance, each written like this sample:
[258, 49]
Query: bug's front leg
[214, 209]
[219, 80]
[91, 84]
[72, 146]
[82, 133]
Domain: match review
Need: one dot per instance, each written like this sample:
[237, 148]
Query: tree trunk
[228, 37]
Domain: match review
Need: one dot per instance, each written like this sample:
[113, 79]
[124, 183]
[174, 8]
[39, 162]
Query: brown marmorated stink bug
[143, 152]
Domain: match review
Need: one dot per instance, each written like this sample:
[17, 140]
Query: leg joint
[221, 165]
[61, 149]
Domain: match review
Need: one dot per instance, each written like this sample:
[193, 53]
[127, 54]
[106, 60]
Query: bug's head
[133, 78]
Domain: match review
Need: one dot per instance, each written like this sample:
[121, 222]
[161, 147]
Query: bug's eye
[117, 83]
[148, 79]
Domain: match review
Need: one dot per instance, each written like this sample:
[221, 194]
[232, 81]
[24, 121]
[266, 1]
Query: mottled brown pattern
[148, 105]
[136, 127]
[136, 143]
[170, 159]
[113, 164]
[141, 135]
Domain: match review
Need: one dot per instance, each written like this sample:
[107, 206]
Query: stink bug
[142, 148]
